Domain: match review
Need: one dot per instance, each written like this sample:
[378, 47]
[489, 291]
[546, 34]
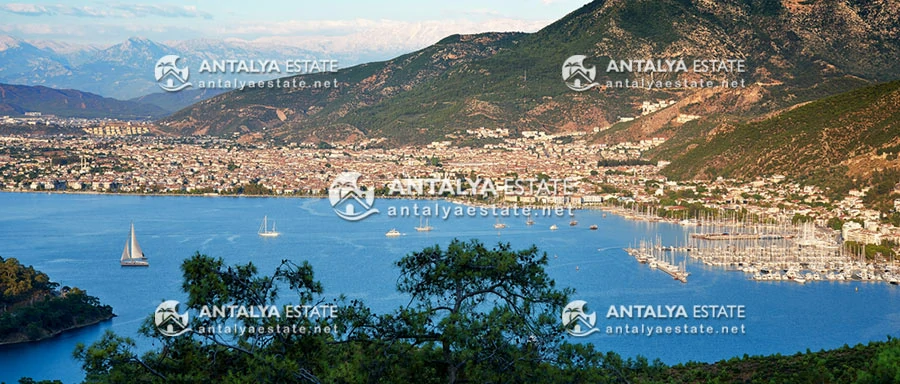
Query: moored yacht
[264, 230]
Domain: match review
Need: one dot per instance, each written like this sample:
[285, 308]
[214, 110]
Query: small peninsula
[33, 308]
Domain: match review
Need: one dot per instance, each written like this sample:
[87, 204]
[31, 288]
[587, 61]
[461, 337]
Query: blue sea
[77, 240]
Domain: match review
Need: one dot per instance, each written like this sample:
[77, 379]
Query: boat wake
[63, 260]
[310, 208]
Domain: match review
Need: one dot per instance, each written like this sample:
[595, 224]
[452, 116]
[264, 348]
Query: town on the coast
[770, 228]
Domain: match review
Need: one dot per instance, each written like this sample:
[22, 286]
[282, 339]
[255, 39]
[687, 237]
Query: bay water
[77, 240]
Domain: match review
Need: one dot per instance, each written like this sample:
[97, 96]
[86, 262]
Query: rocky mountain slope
[837, 142]
[795, 51]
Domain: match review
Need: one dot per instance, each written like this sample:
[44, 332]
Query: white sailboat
[424, 228]
[499, 225]
[264, 230]
[132, 255]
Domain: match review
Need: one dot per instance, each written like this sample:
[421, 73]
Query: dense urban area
[599, 174]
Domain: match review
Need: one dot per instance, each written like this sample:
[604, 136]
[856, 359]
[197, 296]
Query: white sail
[132, 255]
[264, 228]
[136, 252]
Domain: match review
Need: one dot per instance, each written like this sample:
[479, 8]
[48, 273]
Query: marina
[767, 249]
[661, 258]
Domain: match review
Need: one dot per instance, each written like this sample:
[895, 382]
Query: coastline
[97, 193]
[448, 199]
[58, 332]
[211, 195]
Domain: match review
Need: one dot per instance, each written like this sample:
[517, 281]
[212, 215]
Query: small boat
[425, 227]
[499, 225]
[553, 227]
[392, 233]
[892, 278]
[593, 227]
[573, 223]
[264, 230]
[133, 255]
[530, 221]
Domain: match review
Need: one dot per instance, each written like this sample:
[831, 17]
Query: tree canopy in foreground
[475, 314]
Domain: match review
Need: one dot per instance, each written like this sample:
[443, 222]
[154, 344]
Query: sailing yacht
[530, 221]
[499, 225]
[264, 230]
[424, 228]
[132, 255]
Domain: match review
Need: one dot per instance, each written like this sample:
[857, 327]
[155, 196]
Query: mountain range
[795, 52]
[18, 99]
[818, 101]
[125, 70]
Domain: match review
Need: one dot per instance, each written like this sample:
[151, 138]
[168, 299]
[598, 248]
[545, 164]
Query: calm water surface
[77, 240]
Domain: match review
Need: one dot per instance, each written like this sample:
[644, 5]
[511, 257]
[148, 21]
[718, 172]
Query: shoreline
[96, 193]
[448, 199]
[58, 332]
[213, 195]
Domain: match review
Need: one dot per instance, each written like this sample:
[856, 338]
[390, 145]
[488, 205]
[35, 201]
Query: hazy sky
[106, 22]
